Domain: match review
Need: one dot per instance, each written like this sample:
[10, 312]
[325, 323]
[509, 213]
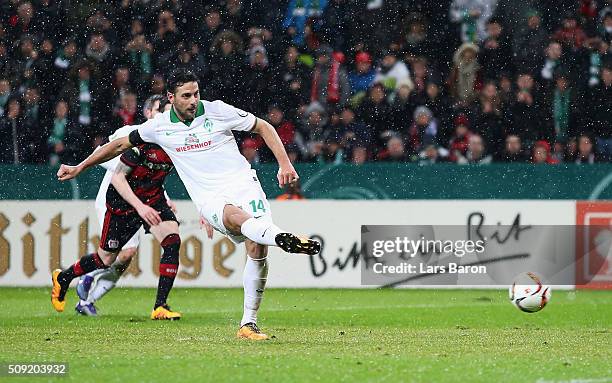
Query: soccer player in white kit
[197, 136]
[93, 286]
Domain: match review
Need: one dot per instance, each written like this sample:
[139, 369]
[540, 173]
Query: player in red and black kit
[135, 198]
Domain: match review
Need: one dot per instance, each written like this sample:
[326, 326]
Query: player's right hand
[67, 172]
[149, 215]
[286, 175]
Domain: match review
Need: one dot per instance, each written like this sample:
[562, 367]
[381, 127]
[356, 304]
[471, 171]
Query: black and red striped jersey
[150, 166]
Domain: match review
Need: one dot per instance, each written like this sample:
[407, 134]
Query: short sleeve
[131, 157]
[122, 132]
[236, 119]
[147, 131]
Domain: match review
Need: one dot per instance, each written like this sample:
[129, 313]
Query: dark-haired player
[135, 198]
[93, 286]
[197, 135]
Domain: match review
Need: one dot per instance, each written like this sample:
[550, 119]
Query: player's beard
[188, 113]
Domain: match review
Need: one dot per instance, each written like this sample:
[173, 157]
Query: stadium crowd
[464, 81]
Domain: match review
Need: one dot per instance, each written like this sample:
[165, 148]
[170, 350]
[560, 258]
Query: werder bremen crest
[208, 125]
[191, 139]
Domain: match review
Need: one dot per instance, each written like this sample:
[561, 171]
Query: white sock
[96, 272]
[101, 287]
[254, 281]
[106, 281]
[260, 231]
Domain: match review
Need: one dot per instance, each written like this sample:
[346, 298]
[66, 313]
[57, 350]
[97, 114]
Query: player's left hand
[172, 206]
[67, 172]
[206, 226]
[286, 175]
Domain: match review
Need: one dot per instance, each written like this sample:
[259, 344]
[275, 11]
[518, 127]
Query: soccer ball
[528, 293]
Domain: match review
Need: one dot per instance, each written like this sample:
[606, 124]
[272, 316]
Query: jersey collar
[199, 112]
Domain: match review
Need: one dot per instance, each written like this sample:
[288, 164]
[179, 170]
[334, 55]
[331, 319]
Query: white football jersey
[204, 152]
[110, 166]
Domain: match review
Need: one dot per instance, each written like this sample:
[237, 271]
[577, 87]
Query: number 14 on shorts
[257, 204]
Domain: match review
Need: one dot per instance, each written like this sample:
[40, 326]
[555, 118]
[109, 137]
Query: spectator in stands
[513, 152]
[605, 27]
[491, 118]
[311, 132]
[552, 61]
[541, 154]
[337, 23]
[166, 40]
[139, 53]
[65, 60]
[354, 132]
[460, 140]
[98, 23]
[34, 117]
[5, 61]
[213, 24]
[120, 86]
[432, 154]
[285, 128]
[359, 155]
[24, 23]
[472, 16]
[570, 33]
[417, 39]
[227, 68]
[529, 119]
[5, 93]
[329, 83]
[403, 105]
[475, 153]
[420, 73]
[496, 51]
[90, 100]
[299, 14]
[599, 112]
[423, 131]
[440, 105]
[290, 84]
[100, 53]
[563, 107]
[258, 80]
[464, 80]
[586, 151]
[391, 71]
[394, 151]
[528, 43]
[248, 148]
[363, 76]
[48, 89]
[596, 52]
[375, 112]
[24, 63]
[64, 139]
[158, 85]
[127, 112]
[332, 150]
[17, 144]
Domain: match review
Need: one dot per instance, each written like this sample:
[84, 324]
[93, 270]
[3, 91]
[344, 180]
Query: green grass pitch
[320, 335]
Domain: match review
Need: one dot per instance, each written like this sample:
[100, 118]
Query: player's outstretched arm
[286, 173]
[104, 153]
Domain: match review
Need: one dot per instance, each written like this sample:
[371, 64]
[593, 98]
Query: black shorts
[119, 228]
